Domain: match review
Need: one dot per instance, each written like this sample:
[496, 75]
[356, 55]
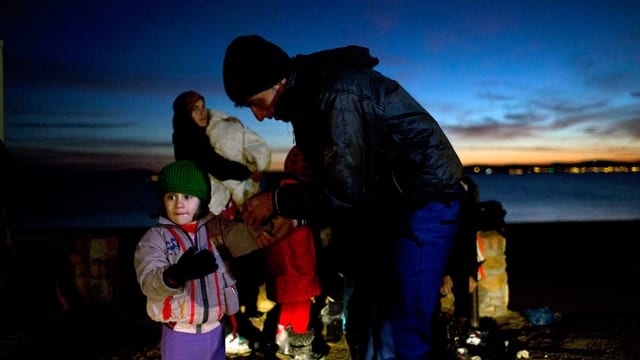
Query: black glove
[191, 265]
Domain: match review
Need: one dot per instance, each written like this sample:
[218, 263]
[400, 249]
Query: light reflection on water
[564, 197]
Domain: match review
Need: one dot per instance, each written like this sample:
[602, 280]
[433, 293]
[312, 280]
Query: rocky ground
[584, 272]
[576, 336]
[108, 334]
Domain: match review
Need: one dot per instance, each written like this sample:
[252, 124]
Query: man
[386, 175]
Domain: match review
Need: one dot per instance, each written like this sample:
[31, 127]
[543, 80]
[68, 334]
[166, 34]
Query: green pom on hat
[184, 177]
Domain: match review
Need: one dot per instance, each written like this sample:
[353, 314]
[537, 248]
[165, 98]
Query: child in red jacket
[292, 282]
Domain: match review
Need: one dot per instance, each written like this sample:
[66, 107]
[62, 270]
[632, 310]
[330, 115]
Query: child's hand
[234, 119]
[191, 265]
[256, 176]
[265, 239]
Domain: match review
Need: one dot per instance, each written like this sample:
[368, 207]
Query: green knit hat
[184, 177]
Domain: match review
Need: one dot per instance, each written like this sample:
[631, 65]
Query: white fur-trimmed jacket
[238, 143]
[198, 306]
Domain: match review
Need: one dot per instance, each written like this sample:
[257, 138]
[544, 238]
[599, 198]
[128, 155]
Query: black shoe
[334, 331]
[267, 351]
[320, 347]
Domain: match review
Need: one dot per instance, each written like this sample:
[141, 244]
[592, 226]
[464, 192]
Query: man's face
[262, 104]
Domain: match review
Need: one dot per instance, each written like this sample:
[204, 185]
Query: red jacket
[291, 267]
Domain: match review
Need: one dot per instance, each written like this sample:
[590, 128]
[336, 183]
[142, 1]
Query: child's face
[199, 113]
[181, 208]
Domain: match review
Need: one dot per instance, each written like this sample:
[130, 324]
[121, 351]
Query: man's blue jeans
[423, 240]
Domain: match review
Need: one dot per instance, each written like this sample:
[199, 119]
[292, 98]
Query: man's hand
[473, 283]
[447, 285]
[279, 228]
[257, 209]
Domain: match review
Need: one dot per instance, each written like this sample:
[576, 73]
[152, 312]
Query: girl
[188, 285]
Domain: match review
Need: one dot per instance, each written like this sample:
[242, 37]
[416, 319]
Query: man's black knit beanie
[252, 65]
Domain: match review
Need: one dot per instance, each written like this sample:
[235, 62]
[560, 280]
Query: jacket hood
[183, 124]
[309, 69]
[327, 60]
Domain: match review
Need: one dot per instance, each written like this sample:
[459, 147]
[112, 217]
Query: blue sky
[91, 83]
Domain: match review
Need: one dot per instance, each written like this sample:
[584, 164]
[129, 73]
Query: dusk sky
[92, 82]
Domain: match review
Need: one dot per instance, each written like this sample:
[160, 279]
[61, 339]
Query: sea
[559, 197]
[80, 199]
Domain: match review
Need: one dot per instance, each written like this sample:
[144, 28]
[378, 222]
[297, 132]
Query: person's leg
[301, 337]
[249, 272]
[422, 251]
[358, 320]
[268, 344]
[216, 344]
[327, 309]
[299, 316]
[178, 345]
[328, 312]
